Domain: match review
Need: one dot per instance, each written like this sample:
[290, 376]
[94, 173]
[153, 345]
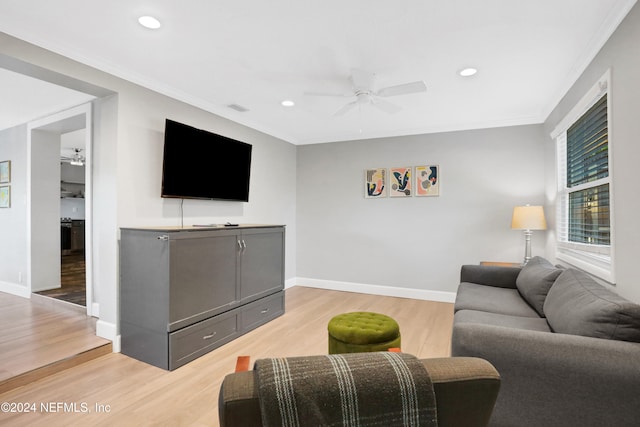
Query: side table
[501, 264]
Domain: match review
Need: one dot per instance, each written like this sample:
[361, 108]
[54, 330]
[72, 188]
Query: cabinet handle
[266, 310]
[208, 337]
[163, 237]
[244, 244]
[239, 245]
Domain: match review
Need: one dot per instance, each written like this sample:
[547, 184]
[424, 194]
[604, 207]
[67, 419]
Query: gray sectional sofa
[567, 348]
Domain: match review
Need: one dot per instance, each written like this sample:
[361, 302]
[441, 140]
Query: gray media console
[187, 291]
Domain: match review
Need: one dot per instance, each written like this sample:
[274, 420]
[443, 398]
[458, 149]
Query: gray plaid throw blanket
[352, 390]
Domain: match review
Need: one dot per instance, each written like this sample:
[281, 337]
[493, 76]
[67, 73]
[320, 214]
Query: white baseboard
[108, 331]
[13, 289]
[363, 288]
[290, 283]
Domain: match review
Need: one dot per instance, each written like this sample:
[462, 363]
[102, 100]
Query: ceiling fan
[365, 92]
[76, 160]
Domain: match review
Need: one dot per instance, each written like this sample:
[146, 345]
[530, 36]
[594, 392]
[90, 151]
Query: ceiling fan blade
[403, 89]
[340, 95]
[362, 79]
[385, 106]
[345, 108]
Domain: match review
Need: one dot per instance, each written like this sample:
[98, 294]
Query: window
[584, 184]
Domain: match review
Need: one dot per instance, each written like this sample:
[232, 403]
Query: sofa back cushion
[577, 305]
[535, 280]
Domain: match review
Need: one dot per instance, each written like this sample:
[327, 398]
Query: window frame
[595, 259]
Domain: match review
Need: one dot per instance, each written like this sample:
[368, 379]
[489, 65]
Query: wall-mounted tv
[203, 165]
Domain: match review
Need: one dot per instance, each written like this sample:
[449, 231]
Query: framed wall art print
[375, 183]
[5, 172]
[427, 180]
[5, 196]
[400, 182]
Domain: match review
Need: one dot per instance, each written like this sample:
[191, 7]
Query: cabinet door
[203, 276]
[262, 263]
[77, 236]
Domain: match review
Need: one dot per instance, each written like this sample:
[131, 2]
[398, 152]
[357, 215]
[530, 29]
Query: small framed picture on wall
[375, 183]
[427, 180]
[5, 196]
[400, 182]
[5, 172]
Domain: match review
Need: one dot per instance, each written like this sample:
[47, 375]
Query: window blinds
[589, 216]
[587, 161]
[588, 146]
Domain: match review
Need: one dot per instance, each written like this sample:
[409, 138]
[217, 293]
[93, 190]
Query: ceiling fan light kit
[364, 90]
[76, 160]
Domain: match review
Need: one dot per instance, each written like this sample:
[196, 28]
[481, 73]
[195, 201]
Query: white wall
[105, 219]
[13, 221]
[418, 242]
[141, 120]
[45, 210]
[621, 54]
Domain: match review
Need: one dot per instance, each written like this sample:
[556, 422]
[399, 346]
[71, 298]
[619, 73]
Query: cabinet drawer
[193, 341]
[261, 311]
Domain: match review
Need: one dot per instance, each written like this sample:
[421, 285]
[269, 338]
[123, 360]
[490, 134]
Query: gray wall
[417, 242]
[621, 54]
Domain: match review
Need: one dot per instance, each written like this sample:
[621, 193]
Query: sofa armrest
[466, 389]
[556, 379]
[490, 275]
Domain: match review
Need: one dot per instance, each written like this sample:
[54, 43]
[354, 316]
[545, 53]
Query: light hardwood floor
[40, 336]
[132, 393]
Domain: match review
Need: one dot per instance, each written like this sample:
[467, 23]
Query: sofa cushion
[517, 322]
[472, 296]
[535, 280]
[577, 305]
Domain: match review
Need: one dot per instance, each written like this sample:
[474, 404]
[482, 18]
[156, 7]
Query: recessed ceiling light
[288, 103]
[468, 72]
[149, 22]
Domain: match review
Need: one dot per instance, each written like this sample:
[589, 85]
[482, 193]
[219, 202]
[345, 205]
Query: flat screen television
[198, 164]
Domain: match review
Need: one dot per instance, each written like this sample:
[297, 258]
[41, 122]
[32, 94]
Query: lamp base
[527, 246]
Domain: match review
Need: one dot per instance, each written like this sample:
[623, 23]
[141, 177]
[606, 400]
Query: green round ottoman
[362, 331]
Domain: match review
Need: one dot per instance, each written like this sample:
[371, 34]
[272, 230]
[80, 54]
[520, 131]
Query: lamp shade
[528, 218]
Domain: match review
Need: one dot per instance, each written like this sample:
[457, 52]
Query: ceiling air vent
[238, 108]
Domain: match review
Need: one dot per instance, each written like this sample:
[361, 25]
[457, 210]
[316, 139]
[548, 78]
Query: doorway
[59, 206]
[72, 220]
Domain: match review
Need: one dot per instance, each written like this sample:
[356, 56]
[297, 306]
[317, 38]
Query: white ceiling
[257, 53]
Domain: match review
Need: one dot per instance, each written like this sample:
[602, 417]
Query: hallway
[73, 280]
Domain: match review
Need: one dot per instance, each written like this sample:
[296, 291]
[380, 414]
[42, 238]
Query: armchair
[465, 388]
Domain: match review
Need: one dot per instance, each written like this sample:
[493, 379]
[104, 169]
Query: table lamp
[528, 218]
